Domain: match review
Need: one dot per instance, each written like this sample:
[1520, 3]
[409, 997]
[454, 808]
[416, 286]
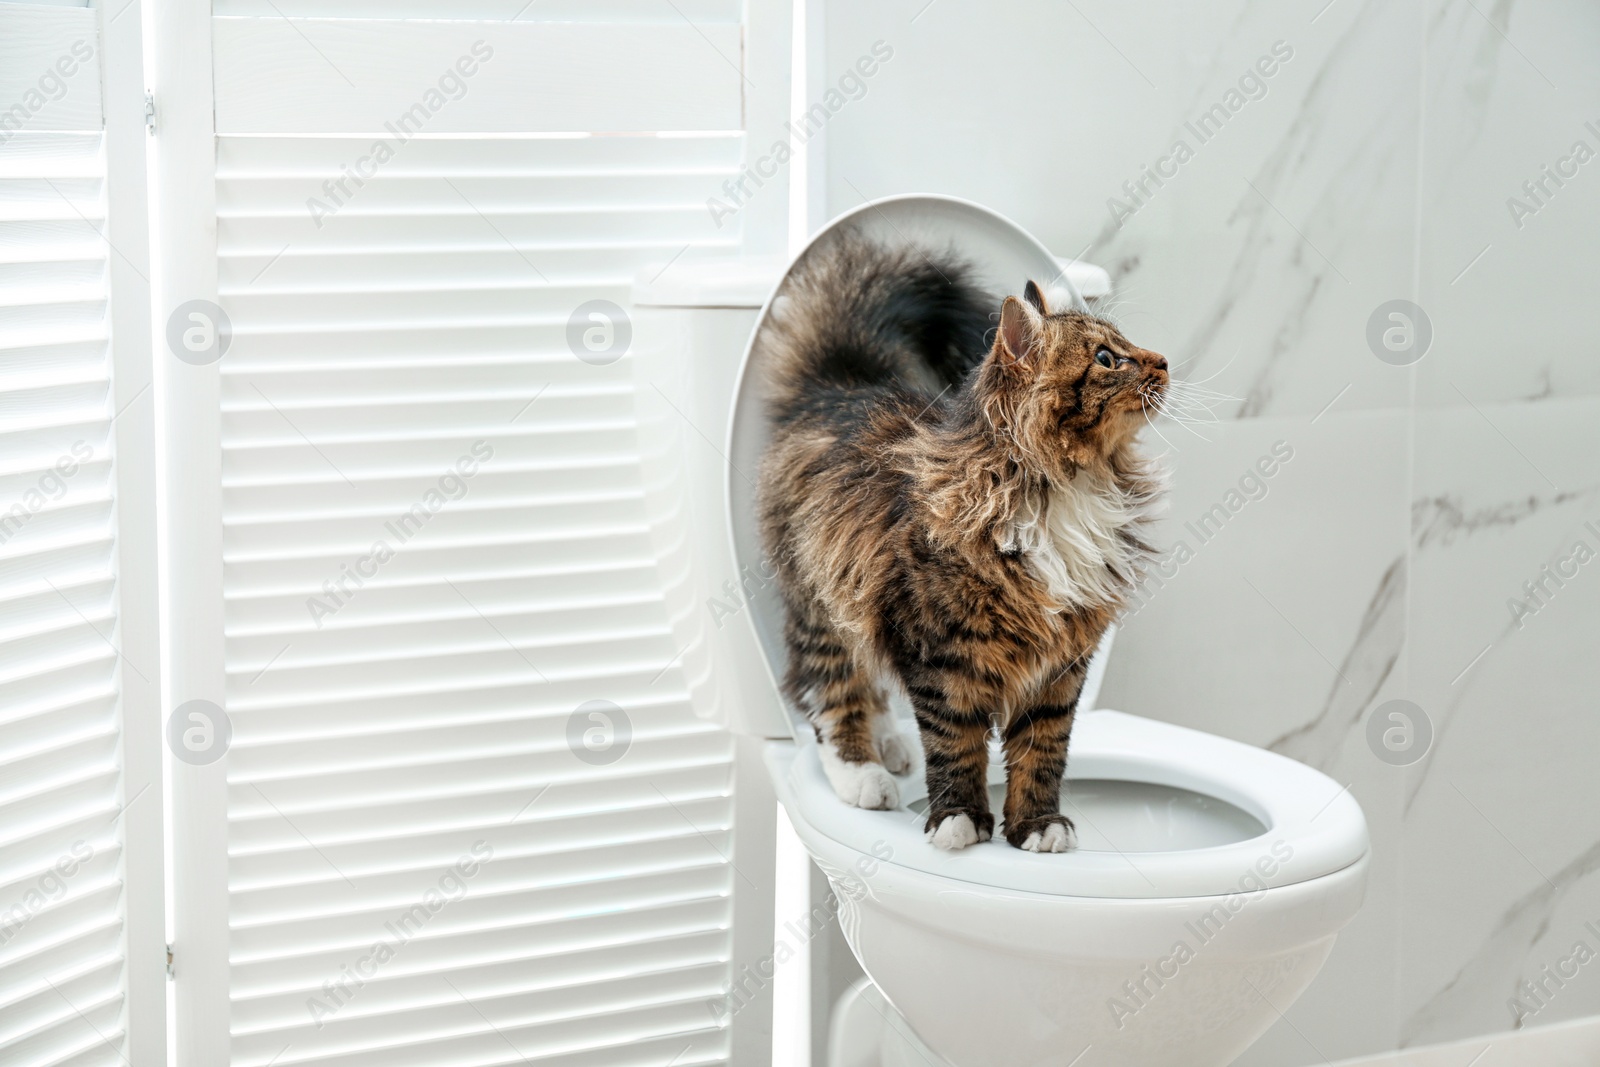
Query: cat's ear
[1032, 294]
[1021, 331]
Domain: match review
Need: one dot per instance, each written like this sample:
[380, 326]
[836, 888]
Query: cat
[961, 517]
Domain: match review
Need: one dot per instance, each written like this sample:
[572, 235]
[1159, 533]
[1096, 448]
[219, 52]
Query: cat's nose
[1158, 362]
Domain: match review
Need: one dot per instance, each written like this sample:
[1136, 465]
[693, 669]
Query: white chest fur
[1081, 539]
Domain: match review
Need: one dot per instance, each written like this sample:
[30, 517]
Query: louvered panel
[477, 928]
[469, 700]
[415, 1008]
[298, 912]
[391, 714]
[62, 976]
[299, 798]
[501, 749]
[375, 842]
[638, 971]
[287, 608]
[272, 930]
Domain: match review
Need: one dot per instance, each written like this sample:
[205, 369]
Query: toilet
[1211, 878]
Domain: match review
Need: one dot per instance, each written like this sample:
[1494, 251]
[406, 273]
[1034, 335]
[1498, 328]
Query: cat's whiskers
[1150, 423]
[1148, 404]
[1186, 405]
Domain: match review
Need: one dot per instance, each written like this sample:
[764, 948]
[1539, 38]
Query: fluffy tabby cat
[962, 517]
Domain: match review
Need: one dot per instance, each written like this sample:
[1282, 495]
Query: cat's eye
[1103, 357]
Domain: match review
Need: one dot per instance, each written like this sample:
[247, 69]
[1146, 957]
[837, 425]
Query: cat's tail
[860, 315]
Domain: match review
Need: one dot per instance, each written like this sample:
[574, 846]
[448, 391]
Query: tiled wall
[1374, 164]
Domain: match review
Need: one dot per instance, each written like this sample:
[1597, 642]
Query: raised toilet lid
[1161, 811]
[1005, 256]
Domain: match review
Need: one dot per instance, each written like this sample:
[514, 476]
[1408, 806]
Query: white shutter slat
[378, 738]
[300, 910]
[63, 978]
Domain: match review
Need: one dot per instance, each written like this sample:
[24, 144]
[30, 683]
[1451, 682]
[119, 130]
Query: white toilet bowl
[1206, 891]
[1211, 877]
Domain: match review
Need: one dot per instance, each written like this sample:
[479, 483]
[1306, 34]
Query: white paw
[956, 831]
[895, 751]
[861, 785]
[1056, 838]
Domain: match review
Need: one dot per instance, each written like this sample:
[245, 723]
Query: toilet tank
[691, 323]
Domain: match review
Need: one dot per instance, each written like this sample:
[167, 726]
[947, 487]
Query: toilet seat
[1312, 826]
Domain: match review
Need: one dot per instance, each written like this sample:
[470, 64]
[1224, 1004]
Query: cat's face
[1072, 386]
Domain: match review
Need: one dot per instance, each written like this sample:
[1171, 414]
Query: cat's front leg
[956, 754]
[1036, 761]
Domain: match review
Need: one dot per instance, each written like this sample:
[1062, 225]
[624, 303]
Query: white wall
[1418, 500]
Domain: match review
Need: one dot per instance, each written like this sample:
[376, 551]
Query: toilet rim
[1313, 826]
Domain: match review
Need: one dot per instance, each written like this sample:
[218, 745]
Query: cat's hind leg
[894, 749]
[845, 707]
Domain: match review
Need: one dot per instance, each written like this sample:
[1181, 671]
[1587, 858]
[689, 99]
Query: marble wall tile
[1511, 88]
[1502, 820]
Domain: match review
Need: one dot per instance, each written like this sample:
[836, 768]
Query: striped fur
[962, 517]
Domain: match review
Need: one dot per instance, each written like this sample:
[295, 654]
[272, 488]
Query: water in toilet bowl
[1121, 816]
